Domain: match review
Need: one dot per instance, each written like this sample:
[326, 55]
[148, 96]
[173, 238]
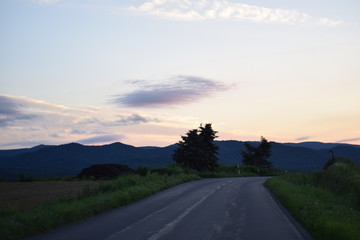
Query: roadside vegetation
[326, 203]
[18, 221]
[17, 224]
[196, 158]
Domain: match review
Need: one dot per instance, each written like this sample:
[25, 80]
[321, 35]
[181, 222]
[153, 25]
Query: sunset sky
[145, 72]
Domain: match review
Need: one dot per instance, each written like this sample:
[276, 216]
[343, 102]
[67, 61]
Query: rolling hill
[70, 159]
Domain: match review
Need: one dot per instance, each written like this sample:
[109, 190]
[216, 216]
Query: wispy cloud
[348, 140]
[24, 120]
[132, 119]
[302, 138]
[190, 10]
[179, 90]
[14, 109]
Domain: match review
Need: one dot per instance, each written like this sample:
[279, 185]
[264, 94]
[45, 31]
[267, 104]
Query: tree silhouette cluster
[257, 156]
[197, 150]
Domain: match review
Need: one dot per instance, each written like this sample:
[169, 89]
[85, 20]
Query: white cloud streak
[191, 10]
[45, 1]
[348, 140]
[101, 139]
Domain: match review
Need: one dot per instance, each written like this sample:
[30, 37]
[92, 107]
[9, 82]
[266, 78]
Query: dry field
[25, 195]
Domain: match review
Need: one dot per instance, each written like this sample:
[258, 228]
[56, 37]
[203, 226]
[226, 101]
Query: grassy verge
[16, 224]
[325, 203]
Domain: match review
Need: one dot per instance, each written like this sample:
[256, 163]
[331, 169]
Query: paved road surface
[208, 209]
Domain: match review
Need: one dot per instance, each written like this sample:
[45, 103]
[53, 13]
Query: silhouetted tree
[197, 150]
[188, 151]
[208, 148]
[257, 156]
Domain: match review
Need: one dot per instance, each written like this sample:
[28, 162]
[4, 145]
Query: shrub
[341, 177]
[339, 161]
[143, 170]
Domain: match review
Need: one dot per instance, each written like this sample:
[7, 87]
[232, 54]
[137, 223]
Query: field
[26, 195]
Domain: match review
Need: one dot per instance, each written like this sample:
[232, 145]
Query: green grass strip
[15, 224]
[325, 215]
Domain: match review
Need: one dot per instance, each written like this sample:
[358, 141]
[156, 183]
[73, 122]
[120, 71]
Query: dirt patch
[25, 195]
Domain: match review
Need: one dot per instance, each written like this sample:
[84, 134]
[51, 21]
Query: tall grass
[342, 178]
[16, 224]
[326, 203]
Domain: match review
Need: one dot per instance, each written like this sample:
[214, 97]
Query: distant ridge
[320, 145]
[69, 159]
[15, 152]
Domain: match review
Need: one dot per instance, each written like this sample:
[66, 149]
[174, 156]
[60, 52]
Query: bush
[341, 177]
[105, 171]
[143, 170]
[339, 161]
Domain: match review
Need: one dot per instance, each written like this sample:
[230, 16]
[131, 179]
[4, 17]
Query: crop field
[25, 195]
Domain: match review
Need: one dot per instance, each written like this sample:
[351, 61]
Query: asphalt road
[208, 209]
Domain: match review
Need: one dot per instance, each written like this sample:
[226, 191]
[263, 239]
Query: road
[208, 209]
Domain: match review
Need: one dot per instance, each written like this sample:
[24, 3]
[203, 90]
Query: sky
[145, 72]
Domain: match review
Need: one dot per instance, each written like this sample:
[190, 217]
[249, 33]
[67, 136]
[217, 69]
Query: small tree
[257, 156]
[197, 150]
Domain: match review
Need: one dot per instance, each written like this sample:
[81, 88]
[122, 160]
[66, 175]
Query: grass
[17, 224]
[326, 203]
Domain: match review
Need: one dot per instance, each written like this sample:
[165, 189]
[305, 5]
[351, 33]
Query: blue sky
[145, 72]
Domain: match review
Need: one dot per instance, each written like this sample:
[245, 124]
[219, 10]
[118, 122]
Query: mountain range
[70, 159]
